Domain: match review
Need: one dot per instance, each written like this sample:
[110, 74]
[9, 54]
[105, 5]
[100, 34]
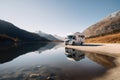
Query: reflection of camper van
[76, 38]
[74, 55]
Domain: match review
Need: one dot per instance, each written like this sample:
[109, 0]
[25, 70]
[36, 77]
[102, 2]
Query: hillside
[10, 32]
[111, 38]
[59, 37]
[49, 36]
[5, 38]
[109, 25]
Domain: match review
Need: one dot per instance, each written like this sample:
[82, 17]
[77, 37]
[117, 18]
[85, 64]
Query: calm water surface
[42, 61]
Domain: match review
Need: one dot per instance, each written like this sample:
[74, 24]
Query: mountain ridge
[49, 36]
[108, 25]
[8, 30]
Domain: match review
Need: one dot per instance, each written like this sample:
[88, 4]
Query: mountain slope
[109, 25]
[111, 38]
[48, 36]
[59, 37]
[10, 30]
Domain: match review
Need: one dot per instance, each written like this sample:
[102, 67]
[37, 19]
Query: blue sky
[56, 16]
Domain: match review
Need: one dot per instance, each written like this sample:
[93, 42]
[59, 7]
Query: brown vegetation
[4, 37]
[111, 38]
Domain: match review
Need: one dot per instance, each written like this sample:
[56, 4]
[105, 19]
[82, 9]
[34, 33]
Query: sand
[101, 48]
[106, 49]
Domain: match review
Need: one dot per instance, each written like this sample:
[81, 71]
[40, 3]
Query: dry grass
[111, 38]
[6, 37]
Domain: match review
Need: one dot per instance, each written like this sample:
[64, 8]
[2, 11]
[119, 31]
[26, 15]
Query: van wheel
[66, 44]
[81, 43]
[73, 43]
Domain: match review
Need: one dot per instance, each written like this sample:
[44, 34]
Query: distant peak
[114, 14]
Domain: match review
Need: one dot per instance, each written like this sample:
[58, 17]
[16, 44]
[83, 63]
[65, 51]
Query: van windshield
[70, 37]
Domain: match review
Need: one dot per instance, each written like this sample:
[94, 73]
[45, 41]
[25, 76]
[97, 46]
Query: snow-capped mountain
[108, 25]
[114, 14]
[48, 36]
[59, 37]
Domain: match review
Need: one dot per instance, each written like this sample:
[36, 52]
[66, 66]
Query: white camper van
[76, 38]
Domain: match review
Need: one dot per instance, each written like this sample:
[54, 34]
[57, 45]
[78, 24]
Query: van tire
[66, 44]
[73, 43]
[81, 43]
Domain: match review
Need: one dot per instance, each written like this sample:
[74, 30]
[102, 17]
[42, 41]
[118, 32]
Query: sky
[59, 17]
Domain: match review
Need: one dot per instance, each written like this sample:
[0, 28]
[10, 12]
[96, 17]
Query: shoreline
[112, 49]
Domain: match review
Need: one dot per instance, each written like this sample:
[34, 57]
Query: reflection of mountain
[48, 46]
[74, 54]
[104, 60]
[11, 52]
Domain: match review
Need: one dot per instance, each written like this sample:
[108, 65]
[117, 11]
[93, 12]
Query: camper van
[74, 39]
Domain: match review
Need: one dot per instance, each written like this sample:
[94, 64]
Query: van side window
[82, 36]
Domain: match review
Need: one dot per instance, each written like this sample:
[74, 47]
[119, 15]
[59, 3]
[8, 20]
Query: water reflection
[44, 72]
[104, 60]
[8, 53]
[48, 46]
[73, 54]
[50, 61]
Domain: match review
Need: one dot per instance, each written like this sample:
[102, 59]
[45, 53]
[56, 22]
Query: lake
[51, 61]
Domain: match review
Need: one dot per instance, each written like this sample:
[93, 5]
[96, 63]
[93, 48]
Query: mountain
[48, 36]
[10, 32]
[59, 37]
[108, 25]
